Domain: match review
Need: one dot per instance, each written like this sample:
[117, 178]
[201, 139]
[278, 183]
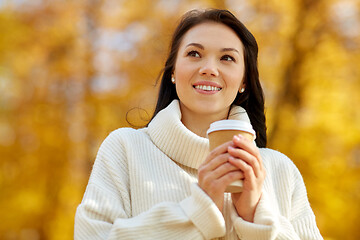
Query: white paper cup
[223, 131]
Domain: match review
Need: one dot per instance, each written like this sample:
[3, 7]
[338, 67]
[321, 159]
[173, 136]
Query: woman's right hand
[216, 173]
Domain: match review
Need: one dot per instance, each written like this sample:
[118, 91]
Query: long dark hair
[252, 99]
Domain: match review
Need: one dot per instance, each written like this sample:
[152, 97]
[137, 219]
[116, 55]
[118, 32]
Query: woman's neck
[199, 123]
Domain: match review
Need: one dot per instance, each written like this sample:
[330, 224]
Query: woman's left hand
[246, 156]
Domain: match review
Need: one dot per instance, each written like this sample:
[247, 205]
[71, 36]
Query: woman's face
[209, 69]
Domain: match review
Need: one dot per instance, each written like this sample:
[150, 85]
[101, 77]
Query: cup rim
[231, 124]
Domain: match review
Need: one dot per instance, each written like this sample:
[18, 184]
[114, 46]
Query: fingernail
[240, 136]
[236, 138]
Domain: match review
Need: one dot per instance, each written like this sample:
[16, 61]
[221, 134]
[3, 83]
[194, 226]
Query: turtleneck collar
[171, 136]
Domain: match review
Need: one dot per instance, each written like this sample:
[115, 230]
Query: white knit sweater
[144, 186]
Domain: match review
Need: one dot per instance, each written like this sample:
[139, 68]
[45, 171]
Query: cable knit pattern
[144, 186]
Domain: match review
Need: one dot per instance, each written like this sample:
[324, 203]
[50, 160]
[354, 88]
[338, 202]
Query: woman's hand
[216, 173]
[246, 157]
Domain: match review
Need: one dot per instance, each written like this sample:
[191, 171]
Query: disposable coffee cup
[223, 131]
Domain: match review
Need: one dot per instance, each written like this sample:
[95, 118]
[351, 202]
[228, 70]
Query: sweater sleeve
[105, 211]
[271, 224]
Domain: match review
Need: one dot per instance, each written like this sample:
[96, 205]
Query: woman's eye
[193, 54]
[228, 58]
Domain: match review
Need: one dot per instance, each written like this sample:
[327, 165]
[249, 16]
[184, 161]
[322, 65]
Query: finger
[216, 162]
[243, 143]
[230, 177]
[205, 168]
[244, 167]
[223, 170]
[247, 157]
[219, 185]
[217, 151]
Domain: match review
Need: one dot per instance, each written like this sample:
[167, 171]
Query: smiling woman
[162, 182]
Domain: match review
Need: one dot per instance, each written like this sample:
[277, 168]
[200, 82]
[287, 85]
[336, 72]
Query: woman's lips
[207, 87]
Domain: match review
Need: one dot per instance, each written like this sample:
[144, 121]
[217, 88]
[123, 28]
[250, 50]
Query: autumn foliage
[72, 72]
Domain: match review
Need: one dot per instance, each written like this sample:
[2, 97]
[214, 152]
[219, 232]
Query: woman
[161, 182]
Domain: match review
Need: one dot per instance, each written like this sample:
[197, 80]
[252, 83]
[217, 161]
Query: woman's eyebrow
[196, 45]
[230, 49]
[222, 50]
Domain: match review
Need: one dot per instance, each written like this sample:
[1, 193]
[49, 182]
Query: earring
[173, 80]
[242, 90]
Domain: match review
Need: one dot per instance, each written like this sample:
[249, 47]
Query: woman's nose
[209, 68]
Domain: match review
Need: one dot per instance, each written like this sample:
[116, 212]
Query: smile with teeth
[207, 88]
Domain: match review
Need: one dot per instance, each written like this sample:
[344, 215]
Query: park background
[71, 71]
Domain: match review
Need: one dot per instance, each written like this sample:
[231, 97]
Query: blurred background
[71, 71]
